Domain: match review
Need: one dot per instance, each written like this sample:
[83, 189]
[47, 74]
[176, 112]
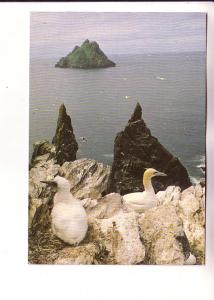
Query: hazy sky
[56, 34]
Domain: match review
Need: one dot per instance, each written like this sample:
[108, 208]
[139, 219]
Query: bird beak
[160, 174]
[48, 182]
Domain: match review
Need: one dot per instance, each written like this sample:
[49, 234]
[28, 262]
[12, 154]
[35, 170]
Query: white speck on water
[161, 78]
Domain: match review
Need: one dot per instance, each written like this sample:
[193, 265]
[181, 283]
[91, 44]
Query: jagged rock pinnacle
[136, 149]
[64, 139]
[137, 114]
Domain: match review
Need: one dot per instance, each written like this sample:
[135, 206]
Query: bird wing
[140, 201]
[138, 208]
[137, 198]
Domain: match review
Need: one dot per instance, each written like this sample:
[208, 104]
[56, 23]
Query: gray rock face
[88, 178]
[106, 207]
[190, 207]
[64, 139]
[167, 234]
[40, 148]
[136, 149]
[39, 193]
[122, 240]
[192, 212]
[163, 235]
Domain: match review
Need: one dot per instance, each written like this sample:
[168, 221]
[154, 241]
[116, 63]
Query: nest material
[43, 247]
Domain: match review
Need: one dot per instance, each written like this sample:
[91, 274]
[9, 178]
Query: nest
[44, 247]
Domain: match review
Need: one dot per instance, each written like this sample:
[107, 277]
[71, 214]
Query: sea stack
[135, 149]
[87, 56]
[64, 139]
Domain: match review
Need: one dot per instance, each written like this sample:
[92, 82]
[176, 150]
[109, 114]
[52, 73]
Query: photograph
[117, 138]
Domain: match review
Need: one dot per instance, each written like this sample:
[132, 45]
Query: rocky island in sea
[171, 233]
[87, 56]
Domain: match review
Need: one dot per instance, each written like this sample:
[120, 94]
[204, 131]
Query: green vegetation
[88, 56]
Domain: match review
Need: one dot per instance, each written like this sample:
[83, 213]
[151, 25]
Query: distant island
[87, 56]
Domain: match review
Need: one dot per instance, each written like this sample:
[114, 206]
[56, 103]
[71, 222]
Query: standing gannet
[141, 201]
[69, 218]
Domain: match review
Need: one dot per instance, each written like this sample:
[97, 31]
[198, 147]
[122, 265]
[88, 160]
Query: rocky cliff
[87, 56]
[170, 233]
[136, 149]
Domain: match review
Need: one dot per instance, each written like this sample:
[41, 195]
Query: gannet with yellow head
[141, 201]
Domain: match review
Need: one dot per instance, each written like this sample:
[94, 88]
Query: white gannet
[69, 218]
[141, 201]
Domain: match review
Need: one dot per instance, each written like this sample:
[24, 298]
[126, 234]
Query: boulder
[192, 211]
[163, 236]
[171, 195]
[121, 238]
[190, 206]
[79, 255]
[64, 140]
[106, 207]
[136, 149]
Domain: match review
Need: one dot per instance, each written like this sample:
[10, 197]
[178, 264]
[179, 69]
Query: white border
[22, 281]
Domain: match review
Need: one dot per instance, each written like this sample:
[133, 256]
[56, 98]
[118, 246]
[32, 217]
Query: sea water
[170, 88]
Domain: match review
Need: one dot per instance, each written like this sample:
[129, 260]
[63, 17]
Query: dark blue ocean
[170, 88]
